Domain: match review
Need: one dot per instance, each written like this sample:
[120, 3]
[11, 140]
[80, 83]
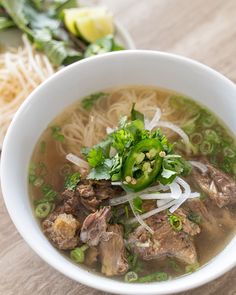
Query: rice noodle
[77, 161]
[121, 200]
[202, 167]
[80, 131]
[21, 70]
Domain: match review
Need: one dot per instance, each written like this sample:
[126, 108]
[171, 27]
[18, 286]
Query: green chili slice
[139, 170]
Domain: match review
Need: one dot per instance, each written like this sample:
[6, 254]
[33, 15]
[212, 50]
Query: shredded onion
[77, 161]
[184, 196]
[116, 183]
[109, 130]
[156, 196]
[139, 219]
[176, 129]
[161, 203]
[121, 200]
[150, 125]
[175, 190]
[202, 167]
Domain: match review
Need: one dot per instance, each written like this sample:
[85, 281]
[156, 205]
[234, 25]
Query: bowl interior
[76, 81]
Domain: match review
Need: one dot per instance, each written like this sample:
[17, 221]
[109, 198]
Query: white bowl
[76, 81]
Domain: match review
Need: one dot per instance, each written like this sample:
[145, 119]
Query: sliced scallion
[42, 210]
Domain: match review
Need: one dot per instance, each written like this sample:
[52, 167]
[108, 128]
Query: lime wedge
[89, 23]
[70, 16]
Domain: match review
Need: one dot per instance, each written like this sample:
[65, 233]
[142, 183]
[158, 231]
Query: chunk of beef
[165, 241]
[95, 226]
[212, 220]
[87, 196]
[93, 192]
[104, 190]
[70, 202]
[61, 229]
[220, 187]
[112, 252]
[91, 256]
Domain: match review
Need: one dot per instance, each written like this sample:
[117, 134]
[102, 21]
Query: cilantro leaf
[72, 180]
[101, 172]
[172, 166]
[138, 202]
[5, 22]
[89, 101]
[56, 134]
[136, 115]
[122, 139]
[95, 157]
[116, 169]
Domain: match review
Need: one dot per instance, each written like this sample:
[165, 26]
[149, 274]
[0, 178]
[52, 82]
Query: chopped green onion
[78, 254]
[156, 276]
[42, 147]
[228, 152]
[38, 182]
[32, 178]
[211, 136]
[207, 120]
[56, 133]
[192, 267]
[196, 138]
[206, 148]
[131, 276]
[42, 210]
[174, 265]
[176, 222]
[72, 180]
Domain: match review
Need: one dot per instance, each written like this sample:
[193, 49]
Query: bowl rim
[102, 283]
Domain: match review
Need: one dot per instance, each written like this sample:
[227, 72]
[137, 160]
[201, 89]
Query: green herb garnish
[175, 222]
[56, 134]
[89, 101]
[192, 267]
[42, 147]
[72, 181]
[137, 202]
[156, 276]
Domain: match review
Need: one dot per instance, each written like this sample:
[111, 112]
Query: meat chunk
[70, 202]
[61, 229]
[87, 196]
[95, 226]
[212, 220]
[112, 252]
[104, 190]
[220, 187]
[91, 256]
[92, 192]
[165, 241]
